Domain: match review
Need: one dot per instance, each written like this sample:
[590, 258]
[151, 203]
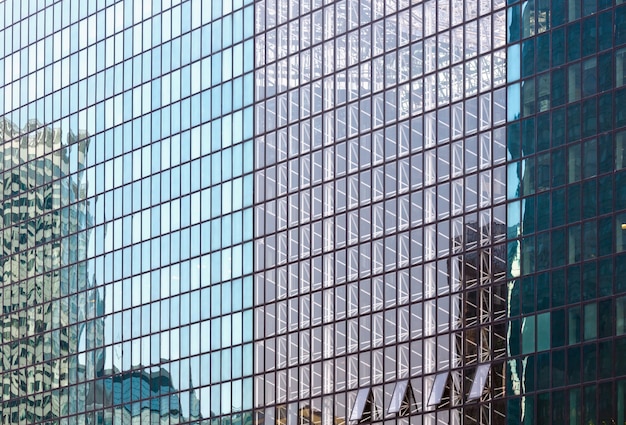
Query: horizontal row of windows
[134, 394]
[568, 366]
[150, 20]
[427, 19]
[594, 403]
[562, 327]
[571, 285]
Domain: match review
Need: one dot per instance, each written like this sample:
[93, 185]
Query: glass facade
[316, 211]
[565, 209]
[126, 163]
[380, 190]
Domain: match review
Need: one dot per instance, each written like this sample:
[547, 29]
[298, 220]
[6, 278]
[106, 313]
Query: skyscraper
[323, 212]
[124, 285]
[381, 153]
[565, 209]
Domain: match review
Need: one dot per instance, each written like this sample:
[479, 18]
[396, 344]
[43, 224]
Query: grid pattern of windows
[316, 211]
[126, 233]
[565, 209]
[380, 210]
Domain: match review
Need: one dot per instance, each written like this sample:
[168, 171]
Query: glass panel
[620, 316]
[402, 400]
[574, 325]
[528, 334]
[620, 150]
[620, 67]
[438, 388]
[543, 331]
[362, 410]
[478, 384]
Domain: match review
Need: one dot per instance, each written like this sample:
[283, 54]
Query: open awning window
[478, 385]
[436, 393]
[402, 400]
[364, 407]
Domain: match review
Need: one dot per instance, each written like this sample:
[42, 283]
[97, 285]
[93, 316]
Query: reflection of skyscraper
[148, 267]
[327, 212]
[481, 339]
[139, 397]
[53, 329]
[42, 263]
[565, 206]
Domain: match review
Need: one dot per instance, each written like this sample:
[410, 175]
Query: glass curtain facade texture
[565, 212]
[316, 211]
[380, 215]
[126, 234]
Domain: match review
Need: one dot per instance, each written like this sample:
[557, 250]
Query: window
[364, 408]
[438, 388]
[480, 378]
[403, 399]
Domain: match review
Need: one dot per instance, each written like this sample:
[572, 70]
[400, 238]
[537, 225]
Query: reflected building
[44, 244]
[441, 196]
[565, 209]
[138, 397]
[326, 212]
[127, 255]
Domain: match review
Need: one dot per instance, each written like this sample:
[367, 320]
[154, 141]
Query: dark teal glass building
[565, 212]
[328, 212]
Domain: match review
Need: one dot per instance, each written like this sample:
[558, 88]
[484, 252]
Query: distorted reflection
[46, 195]
[64, 339]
